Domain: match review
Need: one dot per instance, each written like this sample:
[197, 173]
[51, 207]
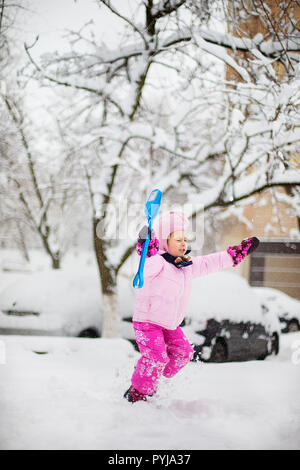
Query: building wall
[269, 219]
[276, 264]
[281, 272]
[253, 25]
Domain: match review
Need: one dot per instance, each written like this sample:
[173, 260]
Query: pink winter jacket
[164, 296]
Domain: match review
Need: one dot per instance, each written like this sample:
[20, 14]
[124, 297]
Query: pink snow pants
[164, 352]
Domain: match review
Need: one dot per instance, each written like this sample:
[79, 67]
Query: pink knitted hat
[168, 223]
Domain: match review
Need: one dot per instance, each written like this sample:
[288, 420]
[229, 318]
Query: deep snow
[71, 398]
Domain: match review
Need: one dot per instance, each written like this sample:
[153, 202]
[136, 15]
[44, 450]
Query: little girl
[161, 304]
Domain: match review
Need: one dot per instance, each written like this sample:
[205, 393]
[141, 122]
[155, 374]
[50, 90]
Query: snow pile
[66, 393]
[66, 301]
[223, 296]
[278, 302]
[226, 296]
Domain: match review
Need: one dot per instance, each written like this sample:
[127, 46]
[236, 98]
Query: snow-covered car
[283, 306]
[52, 303]
[227, 321]
[59, 303]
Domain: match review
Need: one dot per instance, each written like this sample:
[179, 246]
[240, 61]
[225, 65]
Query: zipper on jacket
[178, 300]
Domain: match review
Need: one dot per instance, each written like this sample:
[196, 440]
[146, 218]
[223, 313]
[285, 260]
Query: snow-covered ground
[71, 398]
[66, 393]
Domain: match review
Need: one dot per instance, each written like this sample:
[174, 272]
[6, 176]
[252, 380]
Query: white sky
[50, 18]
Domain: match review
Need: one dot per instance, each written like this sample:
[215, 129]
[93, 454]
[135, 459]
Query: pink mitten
[239, 252]
[153, 244]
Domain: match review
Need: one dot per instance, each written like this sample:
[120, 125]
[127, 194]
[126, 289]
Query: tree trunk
[110, 316]
[23, 243]
[110, 311]
[55, 260]
[54, 255]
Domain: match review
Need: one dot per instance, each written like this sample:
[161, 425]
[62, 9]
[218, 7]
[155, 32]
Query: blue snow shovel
[151, 210]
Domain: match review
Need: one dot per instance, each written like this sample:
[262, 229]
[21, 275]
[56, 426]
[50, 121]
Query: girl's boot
[132, 395]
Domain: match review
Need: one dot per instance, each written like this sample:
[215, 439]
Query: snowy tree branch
[98, 92]
[108, 4]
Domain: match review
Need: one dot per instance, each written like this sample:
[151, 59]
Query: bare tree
[36, 194]
[43, 194]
